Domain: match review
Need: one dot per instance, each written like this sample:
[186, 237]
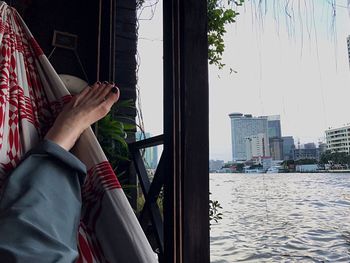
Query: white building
[338, 139]
[257, 146]
[242, 126]
[306, 168]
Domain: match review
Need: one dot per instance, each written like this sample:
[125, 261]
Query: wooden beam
[186, 131]
[149, 142]
[151, 192]
[171, 210]
[195, 130]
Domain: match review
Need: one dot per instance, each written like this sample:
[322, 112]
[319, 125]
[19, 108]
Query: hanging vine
[219, 16]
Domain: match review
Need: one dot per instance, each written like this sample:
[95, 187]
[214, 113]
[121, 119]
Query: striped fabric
[31, 96]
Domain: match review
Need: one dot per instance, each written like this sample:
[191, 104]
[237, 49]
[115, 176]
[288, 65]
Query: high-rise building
[276, 148]
[274, 126]
[288, 147]
[274, 133]
[150, 155]
[243, 126]
[257, 146]
[338, 139]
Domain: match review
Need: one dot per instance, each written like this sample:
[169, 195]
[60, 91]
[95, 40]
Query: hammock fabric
[31, 96]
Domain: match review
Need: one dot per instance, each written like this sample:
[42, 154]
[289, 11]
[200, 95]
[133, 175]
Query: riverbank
[284, 172]
[334, 171]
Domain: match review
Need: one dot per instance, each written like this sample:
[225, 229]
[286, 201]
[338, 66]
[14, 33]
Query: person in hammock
[39, 214]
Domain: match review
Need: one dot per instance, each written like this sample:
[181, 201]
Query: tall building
[288, 147]
[276, 148]
[274, 126]
[274, 133]
[338, 139]
[243, 126]
[150, 155]
[257, 146]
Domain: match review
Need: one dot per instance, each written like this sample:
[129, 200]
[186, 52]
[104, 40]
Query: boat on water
[254, 171]
[273, 170]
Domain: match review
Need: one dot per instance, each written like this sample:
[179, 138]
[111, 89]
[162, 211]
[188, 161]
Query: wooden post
[186, 141]
[123, 63]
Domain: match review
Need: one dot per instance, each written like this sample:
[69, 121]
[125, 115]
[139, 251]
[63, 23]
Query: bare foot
[92, 104]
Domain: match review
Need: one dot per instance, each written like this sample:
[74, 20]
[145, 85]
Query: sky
[297, 68]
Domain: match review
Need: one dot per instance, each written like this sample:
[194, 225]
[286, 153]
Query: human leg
[40, 207]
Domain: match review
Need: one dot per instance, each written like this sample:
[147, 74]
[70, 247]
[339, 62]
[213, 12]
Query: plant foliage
[329, 157]
[219, 16]
[112, 134]
[214, 211]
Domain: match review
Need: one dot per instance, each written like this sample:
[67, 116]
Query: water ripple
[281, 218]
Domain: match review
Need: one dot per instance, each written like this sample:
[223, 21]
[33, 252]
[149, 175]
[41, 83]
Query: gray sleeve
[40, 207]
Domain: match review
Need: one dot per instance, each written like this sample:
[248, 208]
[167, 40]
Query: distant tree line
[300, 162]
[329, 157]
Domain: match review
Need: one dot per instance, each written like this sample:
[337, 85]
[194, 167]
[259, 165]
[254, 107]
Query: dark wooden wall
[82, 18]
[44, 16]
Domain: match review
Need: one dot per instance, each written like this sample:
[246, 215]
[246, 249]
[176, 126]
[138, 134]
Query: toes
[95, 85]
[104, 91]
[95, 89]
[99, 92]
[111, 98]
[113, 95]
[82, 95]
[85, 91]
[88, 90]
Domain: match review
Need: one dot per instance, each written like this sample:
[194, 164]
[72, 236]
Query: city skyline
[303, 76]
[305, 80]
[336, 139]
[254, 137]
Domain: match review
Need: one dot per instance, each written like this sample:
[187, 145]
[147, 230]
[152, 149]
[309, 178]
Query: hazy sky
[297, 68]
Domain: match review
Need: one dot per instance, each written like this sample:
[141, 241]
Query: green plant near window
[220, 14]
[112, 133]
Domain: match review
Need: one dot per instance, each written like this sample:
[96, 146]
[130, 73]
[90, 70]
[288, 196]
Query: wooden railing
[151, 190]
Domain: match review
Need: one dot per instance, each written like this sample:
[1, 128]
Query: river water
[281, 218]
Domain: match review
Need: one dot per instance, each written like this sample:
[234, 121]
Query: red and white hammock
[31, 96]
